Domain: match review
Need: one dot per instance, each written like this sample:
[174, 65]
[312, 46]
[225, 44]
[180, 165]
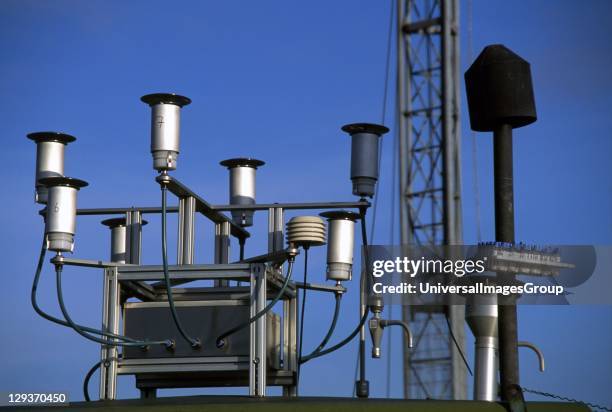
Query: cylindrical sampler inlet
[242, 186]
[165, 128]
[49, 158]
[364, 156]
[118, 228]
[340, 243]
[60, 223]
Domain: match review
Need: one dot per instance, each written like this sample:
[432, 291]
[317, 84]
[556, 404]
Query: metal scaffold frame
[430, 182]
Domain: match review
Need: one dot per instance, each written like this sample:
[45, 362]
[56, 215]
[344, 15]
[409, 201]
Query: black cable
[61, 322]
[195, 343]
[331, 329]
[342, 343]
[87, 378]
[450, 331]
[80, 331]
[364, 316]
[384, 113]
[302, 314]
[565, 398]
[265, 310]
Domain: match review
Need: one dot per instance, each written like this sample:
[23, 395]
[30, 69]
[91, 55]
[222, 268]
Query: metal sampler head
[340, 241]
[118, 228]
[60, 223]
[49, 158]
[364, 156]
[165, 128]
[242, 186]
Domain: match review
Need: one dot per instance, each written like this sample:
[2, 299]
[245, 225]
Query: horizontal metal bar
[232, 292]
[189, 276]
[60, 259]
[123, 210]
[321, 288]
[423, 25]
[188, 303]
[190, 367]
[273, 257]
[424, 192]
[425, 110]
[222, 208]
[190, 272]
[238, 268]
[295, 206]
[202, 206]
[176, 360]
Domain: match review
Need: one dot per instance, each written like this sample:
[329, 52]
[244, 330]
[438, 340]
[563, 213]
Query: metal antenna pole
[504, 232]
[500, 98]
[430, 190]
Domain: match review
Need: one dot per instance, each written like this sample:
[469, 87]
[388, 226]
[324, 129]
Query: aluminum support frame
[110, 323]
[222, 248]
[257, 354]
[186, 231]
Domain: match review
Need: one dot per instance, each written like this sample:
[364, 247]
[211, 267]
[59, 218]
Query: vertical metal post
[257, 332]
[133, 220]
[186, 233]
[108, 369]
[276, 238]
[504, 232]
[290, 310]
[275, 229]
[222, 248]
[362, 386]
[104, 349]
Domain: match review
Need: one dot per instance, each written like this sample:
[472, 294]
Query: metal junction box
[204, 320]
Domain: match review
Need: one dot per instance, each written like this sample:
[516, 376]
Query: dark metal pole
[362, 386]
[504, 232]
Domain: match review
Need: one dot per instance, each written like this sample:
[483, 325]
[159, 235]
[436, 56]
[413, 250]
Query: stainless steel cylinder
[165, 128]
[481, 315]
[49, 158]
[340, 244]
[242, 186]
[60, 223]
[119, 239]
[118, 251]
[364, 156]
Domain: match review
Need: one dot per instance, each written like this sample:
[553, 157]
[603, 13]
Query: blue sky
[276, 80]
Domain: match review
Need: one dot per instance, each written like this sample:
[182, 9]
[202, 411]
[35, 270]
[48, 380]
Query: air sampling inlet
[341, 241]
[165, 128]
[364, 156]
[242, 186]
[49, 158]
[60, 223]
